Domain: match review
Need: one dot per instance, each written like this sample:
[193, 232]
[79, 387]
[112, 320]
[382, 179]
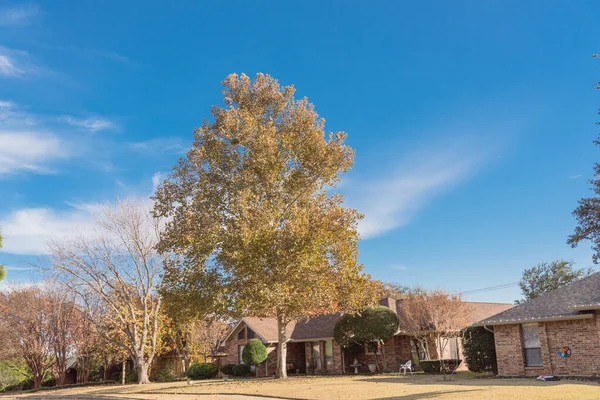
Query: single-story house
[530, 336]
[311, 348]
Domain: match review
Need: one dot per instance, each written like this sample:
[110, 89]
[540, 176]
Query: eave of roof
[533, 320]
[583, 307]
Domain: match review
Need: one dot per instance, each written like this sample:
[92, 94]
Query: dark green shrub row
[202, 371]
[479, 350]
[227, 369]
[435, 366]
[241, 370]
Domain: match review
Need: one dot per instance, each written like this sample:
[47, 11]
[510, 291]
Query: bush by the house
[431, 366]
[241, 370]
[435, 366]
[254, 353]
[227, 369]
[130, 376]
[165, 375]
[479, 350]
[202, 371]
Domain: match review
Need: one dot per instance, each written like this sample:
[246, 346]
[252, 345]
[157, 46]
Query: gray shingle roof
[564, 303]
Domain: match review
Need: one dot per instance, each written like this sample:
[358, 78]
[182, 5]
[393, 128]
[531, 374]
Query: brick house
[529, 336]
[312, 350]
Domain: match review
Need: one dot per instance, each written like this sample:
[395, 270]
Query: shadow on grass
[423, 380]
[73, 397]
[426, 395]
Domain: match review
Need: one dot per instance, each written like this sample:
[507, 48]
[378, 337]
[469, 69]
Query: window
[531, 345]
[329, 354]
[242, 334]
[240, 351]
[251, 334]
[371, 347]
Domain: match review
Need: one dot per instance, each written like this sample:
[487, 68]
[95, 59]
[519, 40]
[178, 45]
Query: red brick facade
[581, 336]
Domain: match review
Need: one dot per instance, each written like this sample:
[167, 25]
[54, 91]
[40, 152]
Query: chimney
[390, 303]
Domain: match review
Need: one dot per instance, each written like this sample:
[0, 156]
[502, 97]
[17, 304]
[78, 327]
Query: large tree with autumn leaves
[251, 200]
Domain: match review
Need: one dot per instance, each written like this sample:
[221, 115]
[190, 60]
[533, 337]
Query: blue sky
[472, 121]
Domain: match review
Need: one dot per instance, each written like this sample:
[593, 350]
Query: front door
[316, 356]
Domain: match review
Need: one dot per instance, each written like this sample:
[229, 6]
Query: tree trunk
[375, 351]
[37, 381]
[383, 360]
[281, 372]
[142, 372]
[123, 372]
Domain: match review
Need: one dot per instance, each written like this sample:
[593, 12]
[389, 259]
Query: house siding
[581, 336]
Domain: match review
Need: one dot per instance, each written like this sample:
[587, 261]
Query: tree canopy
[250, 200]
[546, 277]
[372, 326]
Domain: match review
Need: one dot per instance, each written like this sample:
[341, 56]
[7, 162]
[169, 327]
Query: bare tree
[436, 315]
[62, 322]
[116, 275]
[206, 337]
[26, 330]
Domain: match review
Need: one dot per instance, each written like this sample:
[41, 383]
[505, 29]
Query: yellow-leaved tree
[251, 200]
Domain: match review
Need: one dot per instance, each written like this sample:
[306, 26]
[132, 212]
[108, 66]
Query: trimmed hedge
[241, 370]
[202, 371]
[254, 353]
[479, 350]
[227, 369]
[435, 366]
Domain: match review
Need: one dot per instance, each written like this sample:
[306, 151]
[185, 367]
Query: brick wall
[509, 351]
[397, 351]
[582, 336]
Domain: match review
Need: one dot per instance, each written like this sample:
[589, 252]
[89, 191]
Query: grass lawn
[382, 387]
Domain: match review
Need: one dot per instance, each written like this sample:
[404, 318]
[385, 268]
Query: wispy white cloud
[392, 199]
[29, 151]
[28, 231]
[33, 143]
[13, 268]
[162, 145]
[25, 146]
[18, 15]
[93, 124]
[575, 176]
[8, 67]
[157, 179]
[398, 267]
[17, 64]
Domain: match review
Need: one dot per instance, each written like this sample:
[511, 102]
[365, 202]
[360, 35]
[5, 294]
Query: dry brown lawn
[386, 387]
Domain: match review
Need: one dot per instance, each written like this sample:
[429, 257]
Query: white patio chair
[407, 366]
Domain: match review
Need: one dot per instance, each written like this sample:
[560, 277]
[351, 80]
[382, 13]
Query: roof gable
[563, 303]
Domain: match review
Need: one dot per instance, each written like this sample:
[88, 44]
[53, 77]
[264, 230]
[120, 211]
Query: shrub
[479, 350]
[241, 370]
[435, 366]
[227, 369]
[202, 371]
[165, 375]
[431, 366]
[254, 353]
[130, 377]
